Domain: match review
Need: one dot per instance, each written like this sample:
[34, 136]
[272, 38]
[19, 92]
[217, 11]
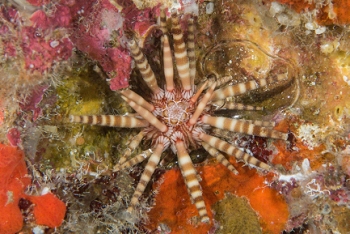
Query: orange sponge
[48, 210]
[174, 209]
[13, 181]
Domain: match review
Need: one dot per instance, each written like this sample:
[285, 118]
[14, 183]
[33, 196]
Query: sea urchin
[180, 116]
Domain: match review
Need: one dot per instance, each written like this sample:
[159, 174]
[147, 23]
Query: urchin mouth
[175, 112]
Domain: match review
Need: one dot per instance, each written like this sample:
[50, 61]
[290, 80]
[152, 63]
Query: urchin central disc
[175, 112]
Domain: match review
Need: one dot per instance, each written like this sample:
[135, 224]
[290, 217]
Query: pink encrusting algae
[45, 39]
[98, 35]
[35, 38]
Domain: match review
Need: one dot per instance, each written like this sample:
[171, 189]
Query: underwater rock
[235, 215]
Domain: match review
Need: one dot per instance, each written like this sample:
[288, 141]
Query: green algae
[235, 215]
[83, 92]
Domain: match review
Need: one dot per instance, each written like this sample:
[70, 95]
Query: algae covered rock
[235, 215]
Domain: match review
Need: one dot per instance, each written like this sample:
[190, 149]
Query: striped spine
[168, 65]
[234, 90]
[146, 176]
[109, 120]
[199, 91]
[190, 50]
[262, 123]
[219, 81]
[220, 157]
[242, 88]
[232, 150]
[201, 105]
[180, 53]
[144, 67]
[243, 126]
[135, 141]
[137, 99]
[231, 105]
[189, 173]
[133, 161]
[162, 20]
[147, 115]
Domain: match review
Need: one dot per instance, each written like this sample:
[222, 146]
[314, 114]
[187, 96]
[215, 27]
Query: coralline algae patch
[173, 208]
